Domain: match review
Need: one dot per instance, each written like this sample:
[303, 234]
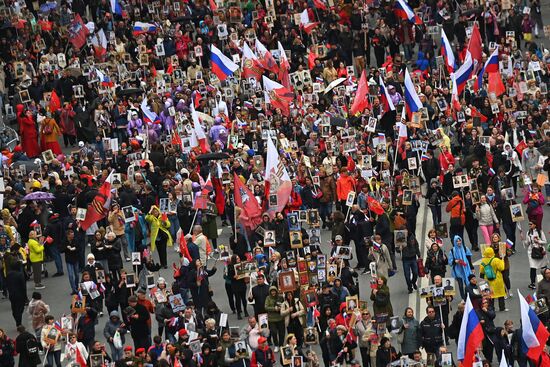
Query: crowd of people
[148, 125]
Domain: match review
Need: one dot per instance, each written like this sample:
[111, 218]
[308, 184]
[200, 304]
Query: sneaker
[366, 271]
[532, 286]
[127, 259]
[101, 314]
[276, 349]
[505, 310]
[39, 286]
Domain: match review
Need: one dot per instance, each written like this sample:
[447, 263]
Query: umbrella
[337, 121]
[212, 156]
[74, 72]
[129, 91]
[333, 84]
[48, 6]
[38, 196]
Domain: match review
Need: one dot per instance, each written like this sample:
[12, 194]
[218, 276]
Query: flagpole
[193, 222]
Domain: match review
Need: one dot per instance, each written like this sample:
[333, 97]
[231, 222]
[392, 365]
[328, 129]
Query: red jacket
[344, 185]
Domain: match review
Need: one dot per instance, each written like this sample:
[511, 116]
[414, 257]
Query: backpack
[489, 271]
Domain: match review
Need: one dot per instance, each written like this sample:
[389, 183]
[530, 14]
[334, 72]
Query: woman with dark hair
[199, 285]
[7, 349]
[238, 286]
[411, 340]
[294, 314]
[386, 353]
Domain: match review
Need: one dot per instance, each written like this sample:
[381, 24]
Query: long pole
[193, 222]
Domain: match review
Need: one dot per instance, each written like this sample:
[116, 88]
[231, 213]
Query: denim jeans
[73, 271]
[116, 354]
[324, 211]
[56, 256]
[410, 267]
[54, 355]
[436, 213]
[130, 233]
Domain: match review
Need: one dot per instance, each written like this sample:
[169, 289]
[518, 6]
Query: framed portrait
[130, 280]
[81, 213]
[240, 271]
[287, 282]
[176, 301]
[407, 197]
[136, 258]
[269, 238]
[516, 210]
[78, 305]
[343, 252]
[295, 239]
[303, 279]
[310, 336]
[313, 218]
[48, 156]
[449, 286]
[286, 355]
[400, 237]
[352, 303]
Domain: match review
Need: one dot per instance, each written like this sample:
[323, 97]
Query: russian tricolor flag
[463, 73]
[104, 79]
[385, 97]
[404, 11]
[470, 337]
[148, 115]
[534, 333]
[140, 28]
[116, 8]
[447, 52]
[412, 101]
[222, 66]
[491, 66]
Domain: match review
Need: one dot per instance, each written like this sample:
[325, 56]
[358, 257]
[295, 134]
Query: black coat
[16, 286]
[24, 345]
[114, 259]
[140, 325]
[260, 293]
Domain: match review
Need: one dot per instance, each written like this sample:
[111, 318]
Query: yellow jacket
[156, 224]
[497, 285]
[36, 251]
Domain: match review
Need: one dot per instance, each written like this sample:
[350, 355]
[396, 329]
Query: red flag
[213, 5]
[311, 56]
[265, 58]
[220, 197]
[495, 84]
[277, 95]
[170, 68]
[80, 359]
[55, 102]
[374, 206]
[521, 147]
[476, 113]
[475, 48]
[361, 100]
[99, 207]
[319, 4]
[153, 71]
[251, 213]
[284, 67]
[78, 32]
[351, 164]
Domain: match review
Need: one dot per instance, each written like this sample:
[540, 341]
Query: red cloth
[28, 133]
[54, 146]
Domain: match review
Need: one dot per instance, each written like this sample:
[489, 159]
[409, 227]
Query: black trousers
[17, 309]
[161, 248]
[240, 299]
[230, 296]
[277, 332]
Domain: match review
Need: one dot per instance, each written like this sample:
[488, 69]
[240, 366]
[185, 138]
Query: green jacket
[273, 315]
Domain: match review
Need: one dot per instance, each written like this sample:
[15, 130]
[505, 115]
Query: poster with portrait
[516, 210]
[287, 282]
